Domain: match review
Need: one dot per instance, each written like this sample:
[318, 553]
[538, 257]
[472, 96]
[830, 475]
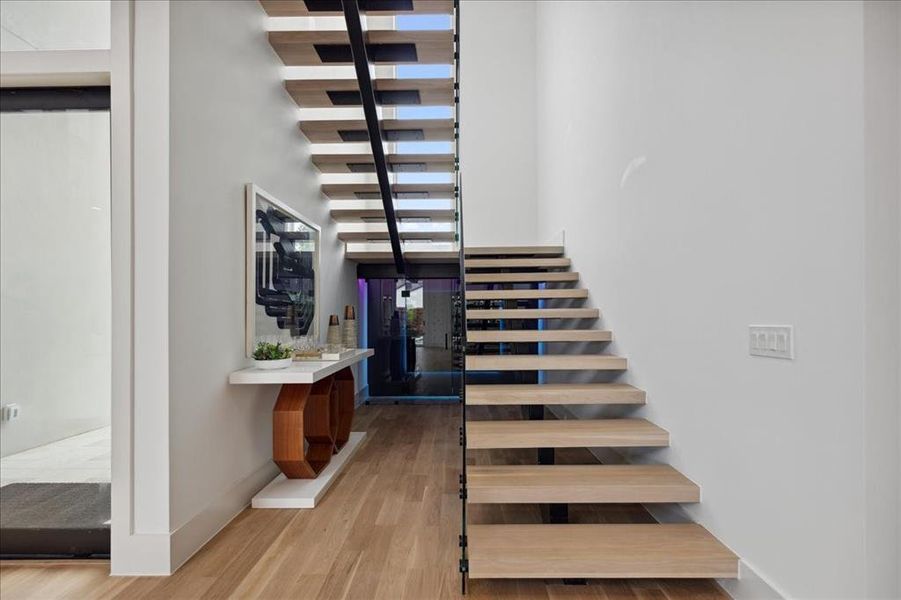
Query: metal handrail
[367, 96]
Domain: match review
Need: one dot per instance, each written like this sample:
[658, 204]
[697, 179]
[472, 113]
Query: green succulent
[276, 351]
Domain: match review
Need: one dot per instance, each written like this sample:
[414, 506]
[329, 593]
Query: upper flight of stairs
[516, 328]
[310, 37]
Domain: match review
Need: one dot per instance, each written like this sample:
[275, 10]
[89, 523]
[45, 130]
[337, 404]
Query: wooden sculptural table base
[311, 440]
[311, 422]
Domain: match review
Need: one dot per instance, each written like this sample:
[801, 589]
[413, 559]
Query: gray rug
[54, 519]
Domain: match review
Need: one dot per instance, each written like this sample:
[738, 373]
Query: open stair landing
[526, 315]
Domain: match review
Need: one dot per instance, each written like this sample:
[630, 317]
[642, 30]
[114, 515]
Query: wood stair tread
[321, 93]
[363, 191]
[553, 393]
[373, 209]
[342, 162]
[496, 484]
[539, 250]
[526, 294]
[538, 335]
[411, 256]
[299, 8]
[302, 47]
[570, 433]
[528, 277]
[336, 131]
[545, 362]
[646, 550]
[519, 263]
[473, 314]
[363, 231]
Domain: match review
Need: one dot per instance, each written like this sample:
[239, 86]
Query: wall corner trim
[189, 538]
[144, 554]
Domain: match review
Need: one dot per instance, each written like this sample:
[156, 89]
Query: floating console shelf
[308, 371]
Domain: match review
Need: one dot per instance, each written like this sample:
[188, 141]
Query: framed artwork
[282, 301]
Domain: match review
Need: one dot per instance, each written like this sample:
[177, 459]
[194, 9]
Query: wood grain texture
[520, 277]
[313, 93]
[430, 163]
[326, 131]
[288, 451]
[476, 336]
[298, 8]
[574, 551]
[549, 293]
[386, 530]
[379, 231]
[582, 433]
[545, 362]
[372, 209]
[386, 258]
[310, 423]
[579, 483]
[517, 263]
[553, 393]
[350, 190]
[532, 313]
[513, 250]
[297, 48]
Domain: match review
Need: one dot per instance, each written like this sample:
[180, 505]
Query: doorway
[410, 324]
[55, 322]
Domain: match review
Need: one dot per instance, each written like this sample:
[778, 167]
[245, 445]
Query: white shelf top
[306, 371]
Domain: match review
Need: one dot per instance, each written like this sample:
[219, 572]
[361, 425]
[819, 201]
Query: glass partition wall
[55, 320]
[409, 323]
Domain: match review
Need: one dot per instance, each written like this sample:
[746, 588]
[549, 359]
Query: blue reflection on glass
[423, 71]
[423, 22]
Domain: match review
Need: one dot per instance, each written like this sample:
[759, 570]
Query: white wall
[882, 189]
[497, 136]
[55, 302]
[716, 165]
[54, 25]
[231, 123]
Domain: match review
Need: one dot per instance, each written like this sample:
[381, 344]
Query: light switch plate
[773, 341]
[9, 412]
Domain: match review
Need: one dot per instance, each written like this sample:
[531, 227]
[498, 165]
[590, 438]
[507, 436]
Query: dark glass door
[410, 326]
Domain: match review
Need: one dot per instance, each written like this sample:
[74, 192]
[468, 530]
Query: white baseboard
[193, 535]
[750, 585]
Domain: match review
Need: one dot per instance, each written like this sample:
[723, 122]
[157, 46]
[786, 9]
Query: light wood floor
[387, 529]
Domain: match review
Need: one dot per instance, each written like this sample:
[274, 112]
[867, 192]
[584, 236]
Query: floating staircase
[412, 47]
[516, 328]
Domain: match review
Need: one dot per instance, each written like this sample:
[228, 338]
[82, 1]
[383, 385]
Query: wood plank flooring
[387, 529]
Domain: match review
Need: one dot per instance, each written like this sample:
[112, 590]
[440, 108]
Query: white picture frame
[255, 198]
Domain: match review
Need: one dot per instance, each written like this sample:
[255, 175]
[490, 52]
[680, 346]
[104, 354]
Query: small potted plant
[273, 356]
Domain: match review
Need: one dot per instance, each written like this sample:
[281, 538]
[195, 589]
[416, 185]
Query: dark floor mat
[56, 519]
